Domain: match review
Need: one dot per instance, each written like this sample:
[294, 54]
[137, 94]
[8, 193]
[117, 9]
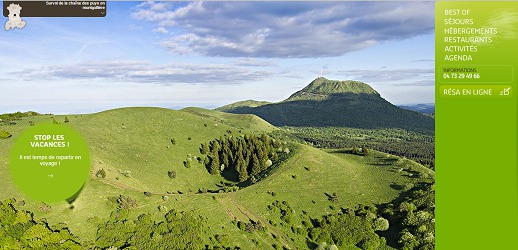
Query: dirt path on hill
[227, 210]
[255, 217]
[227, 203]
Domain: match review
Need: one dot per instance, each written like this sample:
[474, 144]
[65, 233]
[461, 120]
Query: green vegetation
[11, 119]
[4, 134]
[138, 177]
[347, 228]
[327, 103]
[352, 228]
[321, 88]
[413, 215]
[417, 146]
[360, 150]
[240, 158]
[19, 230]
[247, 103]
[123, 202]
[369, 180]
[325, 246]
[138, 147]
[16, 116]
[176, 230]
[242, 122]
[250, 226]
[101, 173]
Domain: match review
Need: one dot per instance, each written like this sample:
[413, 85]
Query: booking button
[476, 91]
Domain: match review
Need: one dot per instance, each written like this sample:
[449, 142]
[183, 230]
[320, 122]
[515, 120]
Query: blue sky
[207, 54]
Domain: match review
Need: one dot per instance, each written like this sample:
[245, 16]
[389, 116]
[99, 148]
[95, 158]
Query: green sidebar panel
[476, 61]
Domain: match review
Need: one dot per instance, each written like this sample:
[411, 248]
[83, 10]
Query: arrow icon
[50, 175]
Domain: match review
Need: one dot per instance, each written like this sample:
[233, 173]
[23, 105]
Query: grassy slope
[247, 103]
[251, 123]
[7, 185]
[356, 180]
[137, 140]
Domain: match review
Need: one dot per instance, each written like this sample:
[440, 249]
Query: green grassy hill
[247, 103]
[133, 146]
[248, 122]
[138, 140]
[329, 103]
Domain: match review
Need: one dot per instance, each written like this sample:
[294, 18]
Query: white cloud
[144, 72]
[135, 27]
[254, 62]
[161, 30]
[284, 29]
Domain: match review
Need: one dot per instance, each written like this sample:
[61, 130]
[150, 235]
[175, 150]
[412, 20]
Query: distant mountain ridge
[331, 103]
[247, 103]
[425, 108]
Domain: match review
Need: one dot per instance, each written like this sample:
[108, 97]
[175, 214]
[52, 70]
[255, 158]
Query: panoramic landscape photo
[229, 125]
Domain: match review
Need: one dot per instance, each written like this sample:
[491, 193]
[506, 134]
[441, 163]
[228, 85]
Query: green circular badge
[50, 162]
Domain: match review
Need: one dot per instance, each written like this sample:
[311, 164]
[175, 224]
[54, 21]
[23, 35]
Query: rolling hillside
[135, 148]
[329, 103]
[247, 103]
[248, 122]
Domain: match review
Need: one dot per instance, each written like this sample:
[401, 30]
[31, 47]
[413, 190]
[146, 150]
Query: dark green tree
[226, 156]
[365, 151]
[214, 163]
[262, 157]
[242, 171]
[214, 146]
[101, 173]
[4, 134]
[187, 163]
[204, 149]
[244, 156]
[255, 165]
[19, 230]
